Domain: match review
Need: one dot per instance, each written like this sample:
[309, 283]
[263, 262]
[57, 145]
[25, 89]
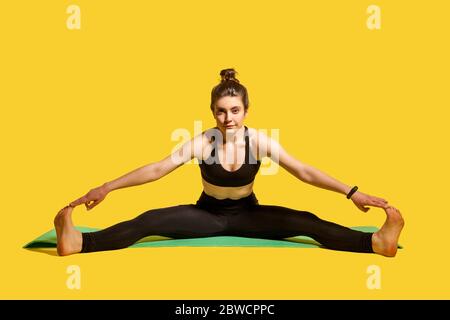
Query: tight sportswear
[244, 217]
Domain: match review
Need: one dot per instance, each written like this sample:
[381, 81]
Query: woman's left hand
[361, 200]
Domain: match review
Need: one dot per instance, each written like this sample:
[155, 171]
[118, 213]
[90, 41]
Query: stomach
[221, 193]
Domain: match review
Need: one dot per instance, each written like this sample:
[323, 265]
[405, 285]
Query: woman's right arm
[148, 173]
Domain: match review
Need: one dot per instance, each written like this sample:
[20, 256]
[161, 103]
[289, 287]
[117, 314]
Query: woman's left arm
[313, 176]
[320, 179]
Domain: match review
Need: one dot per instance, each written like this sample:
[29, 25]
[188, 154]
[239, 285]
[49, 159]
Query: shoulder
[203, 143]
[257, 140]
[199, 146]
[252, 132]
[264, 144]
[208, 134]
[257, 136]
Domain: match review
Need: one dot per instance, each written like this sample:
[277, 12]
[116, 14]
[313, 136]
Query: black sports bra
[213, 172]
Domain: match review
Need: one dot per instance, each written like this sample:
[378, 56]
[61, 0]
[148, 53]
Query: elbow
[304, 174]
[155, 172]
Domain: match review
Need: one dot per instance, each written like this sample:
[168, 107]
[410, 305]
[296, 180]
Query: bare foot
[385, 240]
[68, 239]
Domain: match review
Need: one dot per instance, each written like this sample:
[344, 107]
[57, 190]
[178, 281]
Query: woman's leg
[182, 221]
[276, 222]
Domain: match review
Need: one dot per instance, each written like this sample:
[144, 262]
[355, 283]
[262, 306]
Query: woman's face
[229, 113]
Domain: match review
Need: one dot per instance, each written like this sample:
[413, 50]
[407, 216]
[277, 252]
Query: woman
[227, 205]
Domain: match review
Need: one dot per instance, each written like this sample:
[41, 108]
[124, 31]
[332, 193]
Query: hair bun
[228, 74]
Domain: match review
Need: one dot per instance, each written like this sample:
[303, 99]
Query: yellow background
[82, 107]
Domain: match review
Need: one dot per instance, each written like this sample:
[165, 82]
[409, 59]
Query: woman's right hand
[95, 195]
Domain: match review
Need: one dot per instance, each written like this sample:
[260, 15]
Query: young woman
[227, 205]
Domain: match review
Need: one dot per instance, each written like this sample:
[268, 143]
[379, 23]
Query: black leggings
[212, 217]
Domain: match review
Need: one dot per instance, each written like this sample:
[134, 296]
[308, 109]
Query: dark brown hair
[229, 86]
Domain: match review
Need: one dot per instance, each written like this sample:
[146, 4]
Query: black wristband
[352, 192]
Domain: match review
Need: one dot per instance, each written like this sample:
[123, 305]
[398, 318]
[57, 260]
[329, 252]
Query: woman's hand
[95, 195]
[361, 200]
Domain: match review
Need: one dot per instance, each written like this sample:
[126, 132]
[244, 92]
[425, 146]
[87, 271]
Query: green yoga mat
[48, 240]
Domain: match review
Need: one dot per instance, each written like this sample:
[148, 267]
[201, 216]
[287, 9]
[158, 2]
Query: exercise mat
[48, 240]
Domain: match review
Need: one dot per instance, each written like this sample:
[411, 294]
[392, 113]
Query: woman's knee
[186, 219]
[310, 215]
